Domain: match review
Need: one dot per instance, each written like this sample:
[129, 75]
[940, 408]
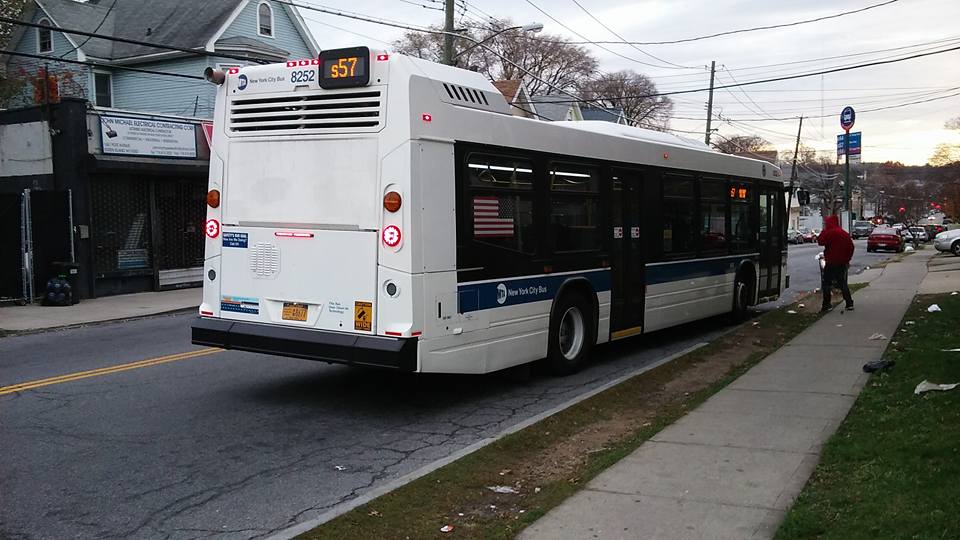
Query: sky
[908, 134]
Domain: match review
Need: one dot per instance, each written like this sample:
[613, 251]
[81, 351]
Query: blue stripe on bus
[514, 291]
[681, 270]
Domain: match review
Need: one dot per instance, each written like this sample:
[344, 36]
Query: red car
[885, 238]
[808, 235]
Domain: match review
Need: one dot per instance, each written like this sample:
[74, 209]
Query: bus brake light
[392, 201]
[212, 228]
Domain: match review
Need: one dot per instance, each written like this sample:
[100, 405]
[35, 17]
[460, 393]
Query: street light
[533, 27]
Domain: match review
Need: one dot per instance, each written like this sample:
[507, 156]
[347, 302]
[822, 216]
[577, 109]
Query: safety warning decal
[235, 239]
[362, 315]
[240, 304]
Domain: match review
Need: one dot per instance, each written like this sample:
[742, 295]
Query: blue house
[105, 167]
[261, 30]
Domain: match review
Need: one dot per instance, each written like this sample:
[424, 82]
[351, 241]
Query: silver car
[948, 241]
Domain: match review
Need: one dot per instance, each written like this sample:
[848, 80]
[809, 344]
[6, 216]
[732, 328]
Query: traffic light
[803, 196]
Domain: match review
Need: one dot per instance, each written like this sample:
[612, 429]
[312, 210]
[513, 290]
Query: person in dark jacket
[837, 252]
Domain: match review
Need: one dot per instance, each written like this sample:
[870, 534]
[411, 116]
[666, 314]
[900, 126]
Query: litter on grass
[934, 308]
[877, 337]
[927, 386]
[792, 312]
[950, 350]
[339, 467]
[877, 365]
[502, 489]
[800, 306]
[446, 528]
[909, 322]
[954, 293]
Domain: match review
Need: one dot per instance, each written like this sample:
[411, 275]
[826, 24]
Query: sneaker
[849, 307]
[826, 309]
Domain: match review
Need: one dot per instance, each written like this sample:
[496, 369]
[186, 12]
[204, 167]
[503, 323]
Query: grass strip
[892, 470]
[549, 461]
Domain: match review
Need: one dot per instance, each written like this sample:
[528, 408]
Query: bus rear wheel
[741, 299]
[571, 335]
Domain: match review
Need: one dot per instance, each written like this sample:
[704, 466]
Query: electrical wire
[197, 52]
[97, 29]
[98, 64]
[624, 40]
[744, 30]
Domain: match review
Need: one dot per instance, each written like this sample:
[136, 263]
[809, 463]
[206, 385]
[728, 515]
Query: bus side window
[679, 215]
[500, 194]
[713, 215]
[574, 207]
[742, 230]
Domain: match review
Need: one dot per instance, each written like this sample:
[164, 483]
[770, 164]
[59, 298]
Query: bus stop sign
[847, 118]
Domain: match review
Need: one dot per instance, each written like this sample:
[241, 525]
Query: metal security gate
[180, 212]
[13, 254]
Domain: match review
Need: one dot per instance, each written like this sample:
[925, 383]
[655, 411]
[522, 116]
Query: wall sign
[143, 137]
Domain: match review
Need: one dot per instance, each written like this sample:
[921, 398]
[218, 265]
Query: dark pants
[835, 275]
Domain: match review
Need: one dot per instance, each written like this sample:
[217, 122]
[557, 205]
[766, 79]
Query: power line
[791, 77]
[874, 109]
[611, 51]
[98, 64]
[97, 29]
[743, 30]
[198, 52]
[623, 39]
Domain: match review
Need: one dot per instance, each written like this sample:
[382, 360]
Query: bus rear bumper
[322, 345]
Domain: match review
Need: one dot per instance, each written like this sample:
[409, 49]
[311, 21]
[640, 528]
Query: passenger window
[741, 218]
[678, 215]
[501, 201]
[713, 215]
[574, 207]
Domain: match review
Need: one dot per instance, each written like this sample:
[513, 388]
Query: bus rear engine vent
[307, 112]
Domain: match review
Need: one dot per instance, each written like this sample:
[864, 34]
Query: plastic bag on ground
[934, 308]
[502, 489]
[877, 337]
[927, 386]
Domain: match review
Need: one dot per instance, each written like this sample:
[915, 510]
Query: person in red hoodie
[837, 252]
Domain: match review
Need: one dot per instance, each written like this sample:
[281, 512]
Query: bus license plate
[293, 311]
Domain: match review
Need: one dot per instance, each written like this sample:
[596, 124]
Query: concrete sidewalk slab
[125, 306]
[731, 467]
[723, 475]
[765, 403]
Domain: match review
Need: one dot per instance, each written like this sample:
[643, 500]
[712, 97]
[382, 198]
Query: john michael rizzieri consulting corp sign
[144, 137]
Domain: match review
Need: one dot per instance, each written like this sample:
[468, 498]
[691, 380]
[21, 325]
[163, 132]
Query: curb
[15, 333]
[347, 506]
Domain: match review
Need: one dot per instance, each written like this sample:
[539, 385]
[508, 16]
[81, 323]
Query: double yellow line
[30, 385]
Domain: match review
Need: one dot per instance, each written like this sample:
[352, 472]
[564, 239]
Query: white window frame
[273, 26]
[48, 23]
[108, 74]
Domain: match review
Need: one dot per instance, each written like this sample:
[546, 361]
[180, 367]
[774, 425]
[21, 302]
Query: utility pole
[448, 36]
[793, 172]
[713, 66]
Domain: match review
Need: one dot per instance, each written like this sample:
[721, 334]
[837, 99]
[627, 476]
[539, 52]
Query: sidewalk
[732, 467]
[35, 317]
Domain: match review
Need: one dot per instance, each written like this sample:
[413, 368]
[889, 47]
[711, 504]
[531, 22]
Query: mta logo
[243, 82]
[501, 293]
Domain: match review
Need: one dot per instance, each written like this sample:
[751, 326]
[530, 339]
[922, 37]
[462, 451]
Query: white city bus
[371, 208]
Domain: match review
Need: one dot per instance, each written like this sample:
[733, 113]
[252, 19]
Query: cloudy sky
[901, 28]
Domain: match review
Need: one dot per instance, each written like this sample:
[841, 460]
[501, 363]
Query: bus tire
[741, 299]
[571, 334]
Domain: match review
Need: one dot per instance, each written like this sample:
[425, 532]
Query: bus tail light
[212, 228]
[213, 198]
[391, 235]
[392, 201]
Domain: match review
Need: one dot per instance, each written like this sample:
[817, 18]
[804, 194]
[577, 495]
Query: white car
[920, 233]
[948, 241]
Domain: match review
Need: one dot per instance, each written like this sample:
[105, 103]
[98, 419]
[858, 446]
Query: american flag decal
[492, 217]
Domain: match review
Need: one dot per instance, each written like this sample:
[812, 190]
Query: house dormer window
[265, 19]
[44, 38]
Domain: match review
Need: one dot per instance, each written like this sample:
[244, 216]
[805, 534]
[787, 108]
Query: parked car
[948, 241]
[794, 236]
[861, 229]
[808, 235]
[885, 238]
[919, 233]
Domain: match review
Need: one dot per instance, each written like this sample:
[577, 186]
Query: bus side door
[626, 253]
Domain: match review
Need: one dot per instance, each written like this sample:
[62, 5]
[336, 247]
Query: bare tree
[11, 84]
[546, 63]
[634, 93]
[742, 143]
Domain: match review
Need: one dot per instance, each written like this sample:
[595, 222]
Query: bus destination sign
[344, 68]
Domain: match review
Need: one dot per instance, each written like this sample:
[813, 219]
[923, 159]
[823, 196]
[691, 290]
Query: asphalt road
[241, 445]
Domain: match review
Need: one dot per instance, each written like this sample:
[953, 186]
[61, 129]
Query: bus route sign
[847, 117]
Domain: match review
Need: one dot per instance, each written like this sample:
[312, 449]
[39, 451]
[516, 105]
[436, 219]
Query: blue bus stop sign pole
[847, 118]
